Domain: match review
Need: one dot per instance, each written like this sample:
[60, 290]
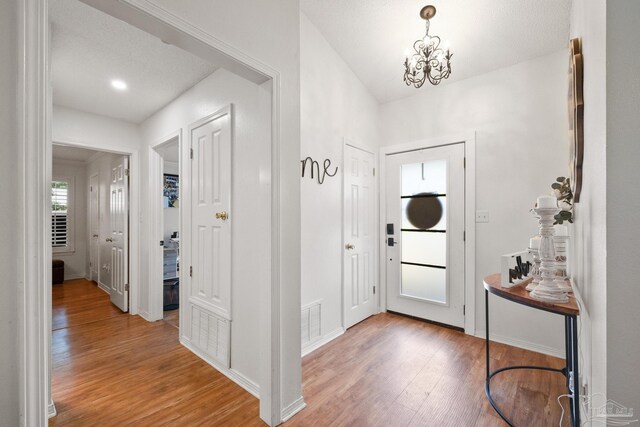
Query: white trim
[295, 407]
[51, 410]
[232, 374]
[156, 215]
[527, 345]
[34, 134]
[469, 140]
[322, 341]
[104, 288]
[75, 276]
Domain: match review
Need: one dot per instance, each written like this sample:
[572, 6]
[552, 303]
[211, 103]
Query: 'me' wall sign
[316, 166]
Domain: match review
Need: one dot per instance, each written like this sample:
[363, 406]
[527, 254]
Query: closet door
[119, 236]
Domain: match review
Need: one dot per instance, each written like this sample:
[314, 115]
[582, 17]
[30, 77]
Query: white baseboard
[51, 409]
[322, 341]
[234, 376]
[104, 287]
[297, 406]
[551, 351]
[74, 276]
[145, 315]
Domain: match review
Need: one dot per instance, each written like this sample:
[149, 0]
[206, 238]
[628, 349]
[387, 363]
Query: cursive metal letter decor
[429, 62]
[314, 164]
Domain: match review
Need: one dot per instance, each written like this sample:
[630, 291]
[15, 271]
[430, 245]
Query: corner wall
[334, 105]
[519, 116]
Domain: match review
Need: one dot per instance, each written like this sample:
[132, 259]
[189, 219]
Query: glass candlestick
[560, 244]
[535, 270]
[548, 290]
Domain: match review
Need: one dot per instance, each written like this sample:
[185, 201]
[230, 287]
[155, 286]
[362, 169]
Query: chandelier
[429, 62]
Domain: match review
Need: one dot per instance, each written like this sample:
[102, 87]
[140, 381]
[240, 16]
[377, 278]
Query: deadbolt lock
[222, 215]
[349, 246]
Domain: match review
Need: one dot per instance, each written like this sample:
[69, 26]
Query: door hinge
[190, 271]
[191, 153]
[374, 171]
[374, 290]
[464, 236]
[464, 163]
[126, 172]
[161, 242]
[126, 287]
[464, 310]
[91, 188]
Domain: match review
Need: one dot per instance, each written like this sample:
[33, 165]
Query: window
[62, 239]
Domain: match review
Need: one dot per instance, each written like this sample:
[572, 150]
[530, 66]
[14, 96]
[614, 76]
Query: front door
[359, 235]
[425, 233]
[119, 236]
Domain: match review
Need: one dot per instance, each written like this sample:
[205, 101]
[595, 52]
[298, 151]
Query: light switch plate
[482, 216]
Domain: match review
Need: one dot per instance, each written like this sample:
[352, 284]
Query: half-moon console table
[569, 310]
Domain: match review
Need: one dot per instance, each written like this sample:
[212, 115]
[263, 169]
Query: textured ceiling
[373, 35]
[90, 48]
[63, 152]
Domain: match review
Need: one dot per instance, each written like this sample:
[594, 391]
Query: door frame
[376, 258]
[156, 168]
[469, 141]
[33, 119]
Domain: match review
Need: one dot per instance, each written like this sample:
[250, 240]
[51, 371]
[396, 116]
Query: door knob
[108, 239]
[95, 236]
[349, 246]
[222, 215]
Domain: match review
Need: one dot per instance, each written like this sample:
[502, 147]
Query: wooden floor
[113, 369]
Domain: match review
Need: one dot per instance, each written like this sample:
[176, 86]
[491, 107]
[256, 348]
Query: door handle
[222, 215]
[95, 236]
[349, 246]
[108, 239]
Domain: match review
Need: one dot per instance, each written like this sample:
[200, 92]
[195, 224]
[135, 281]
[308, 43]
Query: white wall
[11, 212]
[75, 263]
[171, 219]
[519, 115]
[589, 232]
[623, 201]
[250, 157]
[334, 105]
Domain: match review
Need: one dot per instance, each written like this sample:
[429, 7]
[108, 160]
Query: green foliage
[562, 190]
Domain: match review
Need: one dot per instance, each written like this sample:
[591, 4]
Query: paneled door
[94, 227]
[211, 215]
[119, 236]
[425, 233]
[359, 235]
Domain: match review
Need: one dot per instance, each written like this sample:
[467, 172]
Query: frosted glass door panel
[424, 282]
[424, 248]
[427, 177]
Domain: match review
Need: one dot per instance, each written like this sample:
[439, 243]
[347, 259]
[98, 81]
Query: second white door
[119, 236]
[359, 236]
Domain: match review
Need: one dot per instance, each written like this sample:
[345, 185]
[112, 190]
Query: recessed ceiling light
[118, 84]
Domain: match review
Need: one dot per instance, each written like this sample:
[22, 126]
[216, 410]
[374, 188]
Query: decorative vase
[535, 270]
[561, 242]
[547, 289]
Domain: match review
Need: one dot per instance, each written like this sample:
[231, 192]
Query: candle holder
[547, 289]
[535, 271]
[560, 244]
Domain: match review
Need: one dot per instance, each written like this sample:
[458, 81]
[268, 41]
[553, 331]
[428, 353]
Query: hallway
[113, 369]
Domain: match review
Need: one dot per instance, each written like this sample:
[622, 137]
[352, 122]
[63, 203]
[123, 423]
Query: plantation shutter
[59, 211]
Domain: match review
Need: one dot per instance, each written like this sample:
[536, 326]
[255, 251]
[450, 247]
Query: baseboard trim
[234, 376]
[51, 410]
[104, 287]
[145, 315]
[74, 276]
[297, 406]
[324, 340]
[523, 344]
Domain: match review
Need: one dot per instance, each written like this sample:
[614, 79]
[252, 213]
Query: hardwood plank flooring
[113, 369]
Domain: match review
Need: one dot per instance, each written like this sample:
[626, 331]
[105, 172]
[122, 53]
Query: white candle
[534, 242]
[561, 230]
[547, 202]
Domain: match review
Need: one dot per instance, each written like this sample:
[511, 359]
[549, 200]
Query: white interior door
[425, 233]
[359, 235]
[210, 237]
[94, 227]
[119, 236]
